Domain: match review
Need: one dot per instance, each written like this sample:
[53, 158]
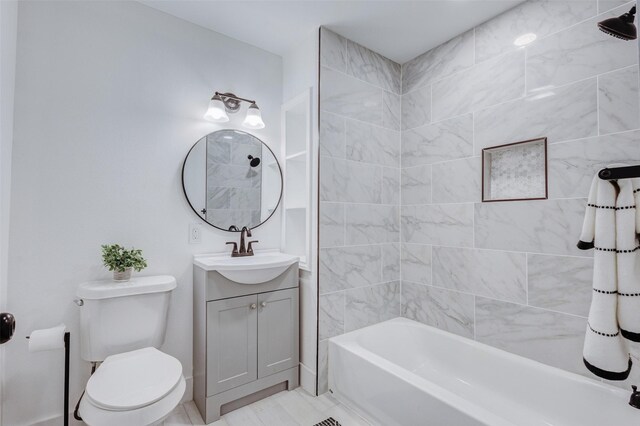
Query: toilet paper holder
[67, 345]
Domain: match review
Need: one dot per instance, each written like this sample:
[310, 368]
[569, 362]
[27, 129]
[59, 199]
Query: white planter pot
[122, 276]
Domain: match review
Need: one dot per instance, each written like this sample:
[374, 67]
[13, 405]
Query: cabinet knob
[263, 304]
[253, 306]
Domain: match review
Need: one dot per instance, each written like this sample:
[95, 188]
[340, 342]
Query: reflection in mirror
[232, 179]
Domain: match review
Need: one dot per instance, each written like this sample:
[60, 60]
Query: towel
[628, 263]
[605, 353]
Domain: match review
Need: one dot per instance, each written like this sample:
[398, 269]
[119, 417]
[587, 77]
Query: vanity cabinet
[250, 337]
[246, 340]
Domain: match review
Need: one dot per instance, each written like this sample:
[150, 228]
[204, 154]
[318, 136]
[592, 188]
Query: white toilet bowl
[137, 388]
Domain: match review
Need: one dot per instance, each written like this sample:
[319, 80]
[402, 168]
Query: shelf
[515, 171]
[297, 156]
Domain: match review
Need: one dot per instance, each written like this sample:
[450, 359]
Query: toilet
[122, 325]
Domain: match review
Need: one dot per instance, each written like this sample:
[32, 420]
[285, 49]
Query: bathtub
[401, 372]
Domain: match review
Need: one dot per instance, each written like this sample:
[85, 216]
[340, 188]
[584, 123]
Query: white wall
[8, 30]
[195, 175]
[300, 72]
[300, 68]
[109, 99]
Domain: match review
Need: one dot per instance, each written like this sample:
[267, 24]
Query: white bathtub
[401, 372]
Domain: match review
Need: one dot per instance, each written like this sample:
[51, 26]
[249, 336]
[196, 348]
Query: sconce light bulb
[216, 111]
[253, 120]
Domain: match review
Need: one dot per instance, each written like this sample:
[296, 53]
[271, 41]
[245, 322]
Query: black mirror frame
[184, 189]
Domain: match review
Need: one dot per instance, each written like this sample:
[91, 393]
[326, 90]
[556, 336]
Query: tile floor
[295, 408]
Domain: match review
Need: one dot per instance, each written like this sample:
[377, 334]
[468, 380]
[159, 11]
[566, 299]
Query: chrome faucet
[244, 251]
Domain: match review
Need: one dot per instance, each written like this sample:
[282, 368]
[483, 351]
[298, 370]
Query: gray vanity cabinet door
[277, 331]
[232, 327]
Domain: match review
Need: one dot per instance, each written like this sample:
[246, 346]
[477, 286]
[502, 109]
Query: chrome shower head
[621, 27]
[253, 161]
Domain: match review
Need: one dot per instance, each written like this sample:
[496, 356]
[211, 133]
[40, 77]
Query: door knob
[7, 327]
[263, 304]
[253, 306]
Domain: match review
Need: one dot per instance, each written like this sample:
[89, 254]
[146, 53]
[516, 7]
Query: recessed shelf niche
[515, 171]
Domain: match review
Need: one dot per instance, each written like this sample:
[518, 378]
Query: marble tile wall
[508, 274]
[233, 193]
[359, 230]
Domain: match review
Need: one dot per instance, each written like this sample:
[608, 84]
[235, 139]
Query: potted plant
[122, 261]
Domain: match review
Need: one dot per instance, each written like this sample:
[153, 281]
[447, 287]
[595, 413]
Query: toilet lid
[133, 379]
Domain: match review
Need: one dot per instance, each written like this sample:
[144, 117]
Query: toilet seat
[134, 388]
[133, 379]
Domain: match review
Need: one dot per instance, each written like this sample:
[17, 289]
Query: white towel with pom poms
[605, 353]
[628, 263]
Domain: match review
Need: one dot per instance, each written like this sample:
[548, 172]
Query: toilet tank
[117, 317]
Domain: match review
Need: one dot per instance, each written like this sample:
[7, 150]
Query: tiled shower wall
[508, 273]
[359, 236]
[234, 188]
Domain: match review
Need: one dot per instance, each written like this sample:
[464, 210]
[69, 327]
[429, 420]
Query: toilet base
[149, 415]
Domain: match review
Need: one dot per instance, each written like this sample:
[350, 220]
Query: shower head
[621, 27]
[253, 161]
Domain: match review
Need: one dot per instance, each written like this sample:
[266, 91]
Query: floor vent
[328, 422]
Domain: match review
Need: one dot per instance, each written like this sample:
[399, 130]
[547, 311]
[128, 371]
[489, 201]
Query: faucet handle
[235, 247]
[249, 247]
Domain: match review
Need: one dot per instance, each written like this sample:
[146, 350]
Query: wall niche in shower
[515, 171]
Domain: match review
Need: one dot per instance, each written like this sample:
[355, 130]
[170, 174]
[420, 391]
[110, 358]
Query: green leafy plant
[117, 258]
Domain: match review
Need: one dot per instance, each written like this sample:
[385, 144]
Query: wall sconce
[223, 103]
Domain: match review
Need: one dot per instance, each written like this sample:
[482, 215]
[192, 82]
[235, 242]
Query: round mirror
[232, 179]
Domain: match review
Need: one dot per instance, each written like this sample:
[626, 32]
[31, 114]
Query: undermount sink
[263, 266]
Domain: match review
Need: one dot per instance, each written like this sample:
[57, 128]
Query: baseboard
[188, 392]
[58, 420]
[307, 379]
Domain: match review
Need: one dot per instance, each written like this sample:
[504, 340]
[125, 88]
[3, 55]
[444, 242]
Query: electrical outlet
[195, 233]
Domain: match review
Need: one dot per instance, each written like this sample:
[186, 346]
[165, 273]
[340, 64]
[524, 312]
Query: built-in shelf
[515, 171]
[299, 156]
[296, 150]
